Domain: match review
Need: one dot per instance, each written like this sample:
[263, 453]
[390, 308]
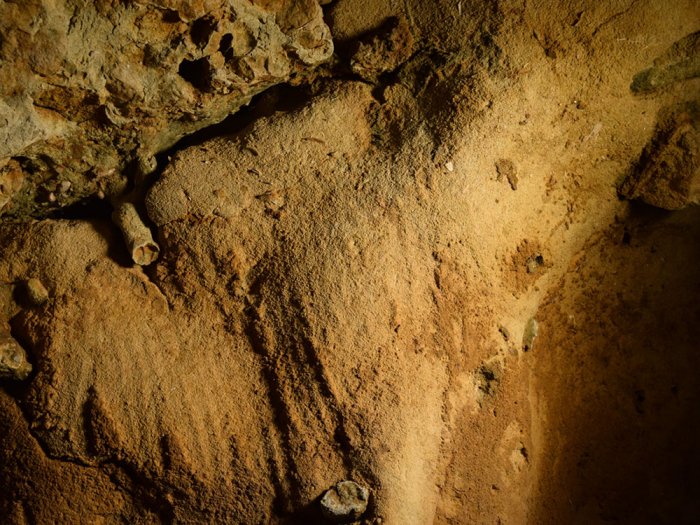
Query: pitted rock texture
[88, 89]
[345, 288]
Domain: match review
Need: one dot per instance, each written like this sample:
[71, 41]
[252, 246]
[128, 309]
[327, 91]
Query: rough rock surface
[345, 502]
[384, 51]
[347, 288]
[91, 91]
[667, 174]
[36, 292]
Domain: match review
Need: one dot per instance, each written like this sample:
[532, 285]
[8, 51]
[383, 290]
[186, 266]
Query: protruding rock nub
[37, 294]
[143, 249]
[347, 501]
[13, 359]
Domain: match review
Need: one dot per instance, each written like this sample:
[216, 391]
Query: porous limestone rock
[88, 89]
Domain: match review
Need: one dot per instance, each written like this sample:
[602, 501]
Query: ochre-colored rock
[417, 276]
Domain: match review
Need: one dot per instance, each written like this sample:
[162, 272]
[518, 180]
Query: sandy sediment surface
[445, 268]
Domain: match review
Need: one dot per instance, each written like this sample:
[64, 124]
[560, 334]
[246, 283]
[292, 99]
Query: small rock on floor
[346, 501]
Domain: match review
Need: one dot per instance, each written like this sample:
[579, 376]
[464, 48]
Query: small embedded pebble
[347, 500]
[530, 333]
[37, 294]
[534, 262]
[506, 168]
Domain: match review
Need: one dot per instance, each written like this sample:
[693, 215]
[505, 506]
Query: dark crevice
[90, 208]
[226, 47]
[198, 72]
[171, 16]
[201, 31]
[281, 98]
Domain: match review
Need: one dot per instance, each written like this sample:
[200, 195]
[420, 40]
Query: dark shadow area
[617, 392]
[198, 72]
[91, 208]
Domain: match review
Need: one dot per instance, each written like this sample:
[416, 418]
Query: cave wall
[453, 260]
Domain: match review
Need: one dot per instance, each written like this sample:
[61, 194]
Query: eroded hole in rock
[226, 46]
[197, 72]
[202, 30]
[171, 16]
[533, 263]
